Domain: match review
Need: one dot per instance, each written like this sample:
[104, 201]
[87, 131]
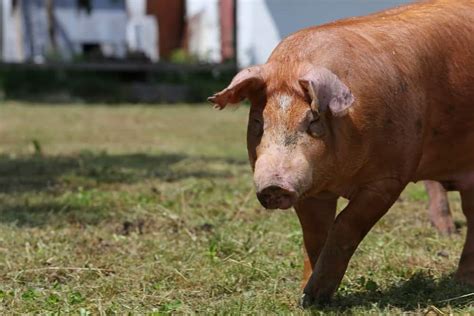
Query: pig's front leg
[316, 217]
[348, 230]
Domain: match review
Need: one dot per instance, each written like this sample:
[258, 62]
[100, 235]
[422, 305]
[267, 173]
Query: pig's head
[289, 137]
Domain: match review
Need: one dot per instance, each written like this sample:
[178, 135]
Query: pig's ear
[244, 83]
[326, 90]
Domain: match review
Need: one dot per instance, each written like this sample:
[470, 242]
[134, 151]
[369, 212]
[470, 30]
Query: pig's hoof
[306, 301]
[466, 278]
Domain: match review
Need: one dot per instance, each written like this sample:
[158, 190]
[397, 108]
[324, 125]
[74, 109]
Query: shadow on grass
[81, 176]
[50, 214]
[421, 291]
[35, 173]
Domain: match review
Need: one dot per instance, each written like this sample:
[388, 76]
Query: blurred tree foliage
[26, 83]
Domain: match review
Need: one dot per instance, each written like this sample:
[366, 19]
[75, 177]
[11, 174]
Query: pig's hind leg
[465, 272]
[438, 209]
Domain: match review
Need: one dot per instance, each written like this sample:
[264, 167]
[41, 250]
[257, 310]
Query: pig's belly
[449, 160]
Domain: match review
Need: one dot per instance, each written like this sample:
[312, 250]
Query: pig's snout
[274, 197]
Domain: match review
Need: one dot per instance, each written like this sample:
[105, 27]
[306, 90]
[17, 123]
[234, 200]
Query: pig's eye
[316, 128]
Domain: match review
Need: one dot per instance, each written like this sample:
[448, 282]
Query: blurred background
[148, 50]
[122, 191]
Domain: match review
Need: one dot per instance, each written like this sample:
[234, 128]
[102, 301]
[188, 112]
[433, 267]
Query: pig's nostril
[273, 197]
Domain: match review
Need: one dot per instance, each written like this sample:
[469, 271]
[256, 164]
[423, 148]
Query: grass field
[146, 209]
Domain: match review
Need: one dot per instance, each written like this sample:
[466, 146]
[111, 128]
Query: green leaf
[53, 299]
[371, 286]
[75, 298]
[29, 294]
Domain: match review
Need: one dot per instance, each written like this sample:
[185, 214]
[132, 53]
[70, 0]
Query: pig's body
[358, 108]
[411, 71]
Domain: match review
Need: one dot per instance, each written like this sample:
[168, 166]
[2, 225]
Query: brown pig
[358, 109]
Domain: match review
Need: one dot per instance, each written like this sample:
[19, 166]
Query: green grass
[151, 210]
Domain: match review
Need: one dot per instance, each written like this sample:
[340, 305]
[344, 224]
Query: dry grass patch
[146, 209]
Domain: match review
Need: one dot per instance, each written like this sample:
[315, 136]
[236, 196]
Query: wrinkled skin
[358, 109]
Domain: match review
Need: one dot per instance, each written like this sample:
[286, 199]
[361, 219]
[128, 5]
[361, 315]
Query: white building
[204, 41]
[142, 30]
[262, 24]
[116, 27]
[24, 29]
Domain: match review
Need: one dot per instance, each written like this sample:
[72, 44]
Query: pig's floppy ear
[327, 91]
[245, 82]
